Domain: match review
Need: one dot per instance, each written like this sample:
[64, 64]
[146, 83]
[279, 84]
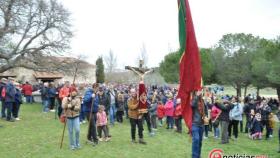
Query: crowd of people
[103, 105]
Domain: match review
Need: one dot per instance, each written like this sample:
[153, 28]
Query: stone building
[85, 73]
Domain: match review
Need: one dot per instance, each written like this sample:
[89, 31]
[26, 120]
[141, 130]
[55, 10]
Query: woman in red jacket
[27, 91]
[160, 112]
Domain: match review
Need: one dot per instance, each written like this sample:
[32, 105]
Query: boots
[141, 141]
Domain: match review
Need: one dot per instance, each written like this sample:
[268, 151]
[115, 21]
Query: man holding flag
[190, 77]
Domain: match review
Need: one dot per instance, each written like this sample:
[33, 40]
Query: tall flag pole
[190, 68]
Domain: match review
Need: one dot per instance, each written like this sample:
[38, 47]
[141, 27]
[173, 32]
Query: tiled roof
[47, 75]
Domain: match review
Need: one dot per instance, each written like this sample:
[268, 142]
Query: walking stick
[90, 118]
[56, 108]
[63, 134]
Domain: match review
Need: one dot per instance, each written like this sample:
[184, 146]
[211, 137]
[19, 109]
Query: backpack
[235, 112]
[87, 97]
[3, 93]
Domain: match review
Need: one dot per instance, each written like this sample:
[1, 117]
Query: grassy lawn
[38, 135]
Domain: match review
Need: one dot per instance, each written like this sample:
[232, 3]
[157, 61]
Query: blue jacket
[52, 92]
[88, 101]
[10, 93]
[236, 112]
[95, 104]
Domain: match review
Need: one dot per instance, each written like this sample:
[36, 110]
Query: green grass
[38, 135]
[266, 92]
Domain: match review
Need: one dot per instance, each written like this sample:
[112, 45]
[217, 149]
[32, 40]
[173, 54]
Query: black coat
[225, 111]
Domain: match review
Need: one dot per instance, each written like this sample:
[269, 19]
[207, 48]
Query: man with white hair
[135, 117]
[10, 93]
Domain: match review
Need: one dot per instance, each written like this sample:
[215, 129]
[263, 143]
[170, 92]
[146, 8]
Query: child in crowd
[101, 123]
[178, 116]
[169, 111]
[160, 112]
[256, 132]
[153, 114]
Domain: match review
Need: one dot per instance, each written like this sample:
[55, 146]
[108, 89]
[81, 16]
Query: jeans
[9, 107]
[224, 128]
[154, 121]
[170, 122]
[74, 124]
[28, 99]
[197, 133]
[216, 131]
[3, 110]
[82, 113]
[139, 123]
[112, 113]
[15, 111]
[45, 105]
[52, 103]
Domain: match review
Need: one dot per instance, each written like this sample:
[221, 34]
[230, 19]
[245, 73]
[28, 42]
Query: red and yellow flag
[190, 68]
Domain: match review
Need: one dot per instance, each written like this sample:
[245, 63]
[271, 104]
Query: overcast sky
[125, 25]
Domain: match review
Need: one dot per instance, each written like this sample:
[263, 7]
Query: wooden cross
[140, 71]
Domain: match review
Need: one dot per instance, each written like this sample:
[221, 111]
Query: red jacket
[178, 111]
[160, 111]
[27, 89]
[214, 112]
[64, 92]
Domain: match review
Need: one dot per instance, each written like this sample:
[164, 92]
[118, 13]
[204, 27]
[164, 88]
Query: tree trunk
[258, 91]
[245, 91]
[238, 90]
[278, 92]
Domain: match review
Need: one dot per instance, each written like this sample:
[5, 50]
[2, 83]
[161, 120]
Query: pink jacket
[169, 108]
[214, 112]
[101, 119]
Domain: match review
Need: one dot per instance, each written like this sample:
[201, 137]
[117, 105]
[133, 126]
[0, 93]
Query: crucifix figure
[142, 93]
[140, 71]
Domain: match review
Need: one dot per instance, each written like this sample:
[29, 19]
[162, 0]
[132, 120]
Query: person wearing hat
[71, 105]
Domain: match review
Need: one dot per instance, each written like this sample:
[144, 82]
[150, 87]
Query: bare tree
[30, 30]
[143, 56]
[110, 61]
[75, 66]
